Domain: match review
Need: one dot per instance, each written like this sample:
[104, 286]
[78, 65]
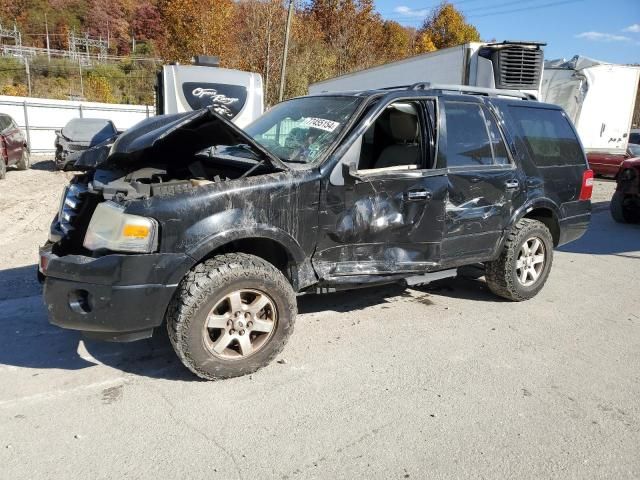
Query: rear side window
[548, 136]
[4, 122]
[473, 137]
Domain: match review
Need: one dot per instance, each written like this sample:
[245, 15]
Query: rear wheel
[231, 316]
[3, 169]
[525, 262]
[25, 161]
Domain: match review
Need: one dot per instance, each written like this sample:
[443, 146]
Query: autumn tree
[397, 41]
[352, 30]
[445, 27]
[196, 27]
[258, 40]
[109, 19]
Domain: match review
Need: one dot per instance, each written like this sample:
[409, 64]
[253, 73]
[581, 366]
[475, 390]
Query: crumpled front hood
[182, 135]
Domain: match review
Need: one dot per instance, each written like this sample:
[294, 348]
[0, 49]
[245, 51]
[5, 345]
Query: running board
[351, 282]
[431, 277]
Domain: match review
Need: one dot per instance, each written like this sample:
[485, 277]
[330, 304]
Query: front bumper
[114, 297]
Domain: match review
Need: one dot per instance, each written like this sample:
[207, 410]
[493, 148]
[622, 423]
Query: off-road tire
[501, 273]
[3, 169]
[619, 212]
[202, 288]
[25, 160]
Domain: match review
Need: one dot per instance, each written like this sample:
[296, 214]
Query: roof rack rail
[487, 92]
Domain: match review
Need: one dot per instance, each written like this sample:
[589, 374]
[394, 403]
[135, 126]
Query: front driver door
[386, 215]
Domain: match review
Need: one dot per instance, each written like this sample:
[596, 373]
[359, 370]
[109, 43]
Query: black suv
[186, 218]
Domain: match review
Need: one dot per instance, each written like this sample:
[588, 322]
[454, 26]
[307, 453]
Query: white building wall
[39, 118]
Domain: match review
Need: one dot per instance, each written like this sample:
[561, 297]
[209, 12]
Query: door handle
[512, 184]
[418, 195]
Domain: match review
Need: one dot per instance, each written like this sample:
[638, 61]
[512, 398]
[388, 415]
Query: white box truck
[599, 98]
[508, 65]
[234, 94]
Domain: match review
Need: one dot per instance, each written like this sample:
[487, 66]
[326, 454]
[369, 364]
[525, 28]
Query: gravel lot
[444, 381]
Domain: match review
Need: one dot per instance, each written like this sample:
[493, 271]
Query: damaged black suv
[186, 218]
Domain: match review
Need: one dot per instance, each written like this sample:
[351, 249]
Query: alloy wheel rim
[240, 324]
[530, 262]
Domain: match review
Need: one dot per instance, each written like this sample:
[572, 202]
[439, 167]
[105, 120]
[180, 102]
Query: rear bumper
[115, 297]
[576, 222]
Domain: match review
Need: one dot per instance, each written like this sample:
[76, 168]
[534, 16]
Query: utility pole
[46, 27]
[28, 72]
[81, 82]
[286, 50]
[268, 60]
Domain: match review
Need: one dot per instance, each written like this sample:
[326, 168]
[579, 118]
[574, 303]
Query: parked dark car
[79, 135]
[14, 149]
[191, 220]
[608, 164]
[625, 203]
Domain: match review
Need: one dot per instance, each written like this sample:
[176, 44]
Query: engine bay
[171, 178]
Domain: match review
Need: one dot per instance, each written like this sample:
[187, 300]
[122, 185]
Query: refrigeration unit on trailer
[599, 98]
[234, 94]
[508, 65]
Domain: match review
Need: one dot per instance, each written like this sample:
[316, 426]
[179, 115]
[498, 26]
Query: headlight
[112, 229]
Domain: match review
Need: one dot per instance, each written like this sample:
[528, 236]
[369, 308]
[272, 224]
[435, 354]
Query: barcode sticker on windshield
[321, 124]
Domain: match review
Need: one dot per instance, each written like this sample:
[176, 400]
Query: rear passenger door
[483, 183]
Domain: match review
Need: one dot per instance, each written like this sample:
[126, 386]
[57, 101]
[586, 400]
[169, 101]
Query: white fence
[39, 118]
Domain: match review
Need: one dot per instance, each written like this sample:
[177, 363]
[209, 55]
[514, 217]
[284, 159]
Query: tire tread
[202, 281]
[498, 273]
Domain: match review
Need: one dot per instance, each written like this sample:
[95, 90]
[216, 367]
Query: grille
[77, 146]
[70, 206]
[519, 67]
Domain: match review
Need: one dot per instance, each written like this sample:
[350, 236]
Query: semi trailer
[508, 65]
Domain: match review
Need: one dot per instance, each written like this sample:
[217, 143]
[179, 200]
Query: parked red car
[13, 146]
[608, 165]
[625, 204]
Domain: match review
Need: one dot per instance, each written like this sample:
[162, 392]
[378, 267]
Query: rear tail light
[587, 185]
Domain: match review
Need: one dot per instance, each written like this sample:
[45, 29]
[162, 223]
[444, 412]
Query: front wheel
[621, 210]
[524, 264]
[3, 169]
[231, 315]
[25, 160]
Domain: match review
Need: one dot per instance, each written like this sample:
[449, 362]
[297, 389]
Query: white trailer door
[605, 118]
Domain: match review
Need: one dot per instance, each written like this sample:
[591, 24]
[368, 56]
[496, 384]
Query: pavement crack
[180, 421]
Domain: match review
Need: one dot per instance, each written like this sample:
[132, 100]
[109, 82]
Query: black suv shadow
[45, 165]
[605, 236]
[28, 340]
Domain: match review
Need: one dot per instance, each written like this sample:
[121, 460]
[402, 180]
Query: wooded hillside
[328, 38]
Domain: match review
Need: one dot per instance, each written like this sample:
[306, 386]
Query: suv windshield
[300, 130]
